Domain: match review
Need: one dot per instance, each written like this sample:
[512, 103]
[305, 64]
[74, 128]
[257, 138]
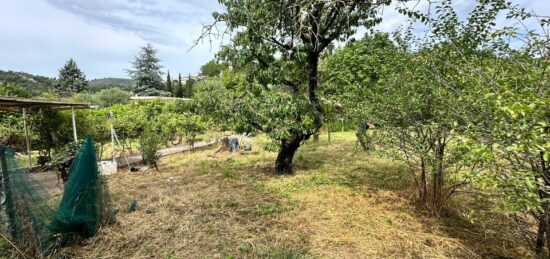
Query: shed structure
[23, 105]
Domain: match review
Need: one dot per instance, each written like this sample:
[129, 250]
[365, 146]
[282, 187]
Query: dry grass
[339, 204]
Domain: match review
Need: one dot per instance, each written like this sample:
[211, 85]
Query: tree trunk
[316, 137]
[423, 182]
[283, 164]
[545, 218]
[328, 133]
[438, 176]
[313, 82]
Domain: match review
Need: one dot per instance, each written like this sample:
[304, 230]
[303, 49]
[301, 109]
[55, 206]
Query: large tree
[147, 73]
[276, 46]
[71, 79]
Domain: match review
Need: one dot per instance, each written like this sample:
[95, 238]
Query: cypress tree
[168, 87]
[179, 88]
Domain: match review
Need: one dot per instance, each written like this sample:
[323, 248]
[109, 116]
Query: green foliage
[32, 83]
[70, 80]
[512, 121]
[11, 130]
[51, 129]
[147, 73]
[85, 97]
[189, 89]
[212, 68]
[417, 94]
[354, 69]
[150, 142]
[213, 100]
[49, 95]
[153, 123]
[11, 90]
[63, 159]
[466, 105]
[184, 125]
[275, 49]
[112, 96]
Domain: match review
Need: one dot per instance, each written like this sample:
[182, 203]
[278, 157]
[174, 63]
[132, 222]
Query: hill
[33, 83]
[36, 84]
[96, 85]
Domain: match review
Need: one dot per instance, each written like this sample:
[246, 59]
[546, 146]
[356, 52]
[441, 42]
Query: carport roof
[16, 104]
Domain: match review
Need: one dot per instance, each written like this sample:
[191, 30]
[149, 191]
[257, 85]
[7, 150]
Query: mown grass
[340, 203]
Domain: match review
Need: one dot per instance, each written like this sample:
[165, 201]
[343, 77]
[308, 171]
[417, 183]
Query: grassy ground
[340, 203]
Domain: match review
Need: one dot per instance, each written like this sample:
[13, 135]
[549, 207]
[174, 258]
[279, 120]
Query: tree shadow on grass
[489, 233]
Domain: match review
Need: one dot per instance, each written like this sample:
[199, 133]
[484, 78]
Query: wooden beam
[27, 137]
[74, 125]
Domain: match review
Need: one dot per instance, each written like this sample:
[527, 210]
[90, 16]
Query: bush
[63, 159]
[111, 96]
[150, 143]
[12, 90]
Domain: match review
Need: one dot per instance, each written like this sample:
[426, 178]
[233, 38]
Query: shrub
[111, 96]
[150, 143]
[63, 159]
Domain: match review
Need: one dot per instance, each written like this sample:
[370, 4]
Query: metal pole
[74, 125]
[27, 137]
[113, 140]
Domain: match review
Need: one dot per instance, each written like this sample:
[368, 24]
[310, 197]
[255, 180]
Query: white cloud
[39, 36]
[104, 35]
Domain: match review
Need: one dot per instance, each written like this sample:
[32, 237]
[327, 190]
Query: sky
[103, 36]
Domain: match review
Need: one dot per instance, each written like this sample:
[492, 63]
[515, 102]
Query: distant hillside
[33, 83]
[96, 85]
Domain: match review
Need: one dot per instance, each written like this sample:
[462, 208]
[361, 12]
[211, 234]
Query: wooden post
[4, 169]
[74, 125]
[27, 137]
[10, 211]
[3, 163]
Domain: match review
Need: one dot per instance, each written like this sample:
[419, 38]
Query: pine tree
[147, 73]
[168, 87]
[179, 88]
[71, 79]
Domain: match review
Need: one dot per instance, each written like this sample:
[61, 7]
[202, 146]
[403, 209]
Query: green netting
[31, 216]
